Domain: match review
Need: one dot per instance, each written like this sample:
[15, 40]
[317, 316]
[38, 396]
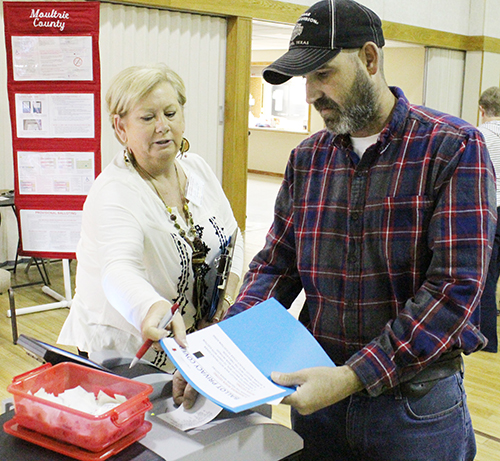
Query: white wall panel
[477, 82]
[477, 17]
[192, 45]
[472, 87]
[8, 227]
[6, 163]
[491, 17]
[491, 70]
[444, 80]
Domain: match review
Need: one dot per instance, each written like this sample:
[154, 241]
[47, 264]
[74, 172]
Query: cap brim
[296, 62]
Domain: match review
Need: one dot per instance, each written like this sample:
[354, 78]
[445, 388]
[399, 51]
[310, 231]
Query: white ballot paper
[202, 412]
[231, 362]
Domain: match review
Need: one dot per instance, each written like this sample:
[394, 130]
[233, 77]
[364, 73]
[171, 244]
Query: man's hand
[318, 387]
[182, 392]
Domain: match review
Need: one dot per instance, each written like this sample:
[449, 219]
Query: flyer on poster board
[55, 173]
[55, 115]
[52, 58]
[50, 230]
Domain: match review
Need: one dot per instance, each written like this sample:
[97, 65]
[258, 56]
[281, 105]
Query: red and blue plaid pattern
[392, 250]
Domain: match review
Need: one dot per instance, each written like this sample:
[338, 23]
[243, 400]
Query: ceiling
[275, 36]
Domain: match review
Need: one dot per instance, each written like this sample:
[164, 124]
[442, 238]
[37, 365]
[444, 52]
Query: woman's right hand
[157, 311]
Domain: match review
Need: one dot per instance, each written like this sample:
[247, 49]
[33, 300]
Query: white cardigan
[130, 255]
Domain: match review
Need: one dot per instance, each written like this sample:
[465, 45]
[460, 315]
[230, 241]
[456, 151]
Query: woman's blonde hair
[134, 83]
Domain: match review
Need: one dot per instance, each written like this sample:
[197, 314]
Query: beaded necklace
[191, 237]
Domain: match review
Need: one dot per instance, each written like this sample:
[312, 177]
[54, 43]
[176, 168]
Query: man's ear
[482, 115]
[119, 127]
[370, 55]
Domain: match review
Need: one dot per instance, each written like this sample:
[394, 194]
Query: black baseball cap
[321, 33]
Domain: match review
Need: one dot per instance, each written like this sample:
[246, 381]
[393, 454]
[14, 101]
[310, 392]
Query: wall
[404, 67]
[6, 166]
[467, 17]
[482, 68]
[268, 151]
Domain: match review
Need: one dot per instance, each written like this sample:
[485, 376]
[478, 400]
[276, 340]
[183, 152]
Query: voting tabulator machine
[246, 436]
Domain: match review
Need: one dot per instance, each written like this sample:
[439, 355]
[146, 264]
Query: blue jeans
[435, 427]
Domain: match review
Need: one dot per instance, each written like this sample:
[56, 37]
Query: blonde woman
[153, 224]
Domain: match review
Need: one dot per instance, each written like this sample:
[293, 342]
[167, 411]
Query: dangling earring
[129, 157]
[184, 145]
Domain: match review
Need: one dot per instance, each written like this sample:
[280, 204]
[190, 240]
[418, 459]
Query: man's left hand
[318, 387]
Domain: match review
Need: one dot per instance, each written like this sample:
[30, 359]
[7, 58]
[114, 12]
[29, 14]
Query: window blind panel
[192, 45]
[444, 80]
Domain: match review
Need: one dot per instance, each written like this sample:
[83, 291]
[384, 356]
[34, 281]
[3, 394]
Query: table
[7, 199]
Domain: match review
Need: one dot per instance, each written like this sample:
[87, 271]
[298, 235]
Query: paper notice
[215, 366]
[61, 115]
[55, 173]
[52, 58]
[50, 230]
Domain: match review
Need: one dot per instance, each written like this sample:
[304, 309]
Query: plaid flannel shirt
[392, 250]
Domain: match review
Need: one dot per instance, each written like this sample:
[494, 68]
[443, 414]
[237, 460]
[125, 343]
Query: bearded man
[386, 220]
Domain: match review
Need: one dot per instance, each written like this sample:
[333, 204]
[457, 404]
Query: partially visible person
[489, 107]
[154, 222]
[386, 219]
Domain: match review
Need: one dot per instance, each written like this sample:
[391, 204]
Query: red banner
[53, 83]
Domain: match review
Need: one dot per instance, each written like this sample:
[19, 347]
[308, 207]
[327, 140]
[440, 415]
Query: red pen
[147, 344]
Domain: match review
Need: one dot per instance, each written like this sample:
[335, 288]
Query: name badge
[195, 189]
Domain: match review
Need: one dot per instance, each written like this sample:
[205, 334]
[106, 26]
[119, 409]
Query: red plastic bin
[84, 430]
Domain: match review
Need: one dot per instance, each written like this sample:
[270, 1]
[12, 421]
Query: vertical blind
[444, 80]
[192, 45]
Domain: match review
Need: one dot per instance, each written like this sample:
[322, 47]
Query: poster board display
[53, 84]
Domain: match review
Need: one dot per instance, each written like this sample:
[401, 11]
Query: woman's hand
[182, 392]
[157, 311]
[318, 387]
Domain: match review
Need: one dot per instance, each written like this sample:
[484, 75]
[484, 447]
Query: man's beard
[359, 110]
